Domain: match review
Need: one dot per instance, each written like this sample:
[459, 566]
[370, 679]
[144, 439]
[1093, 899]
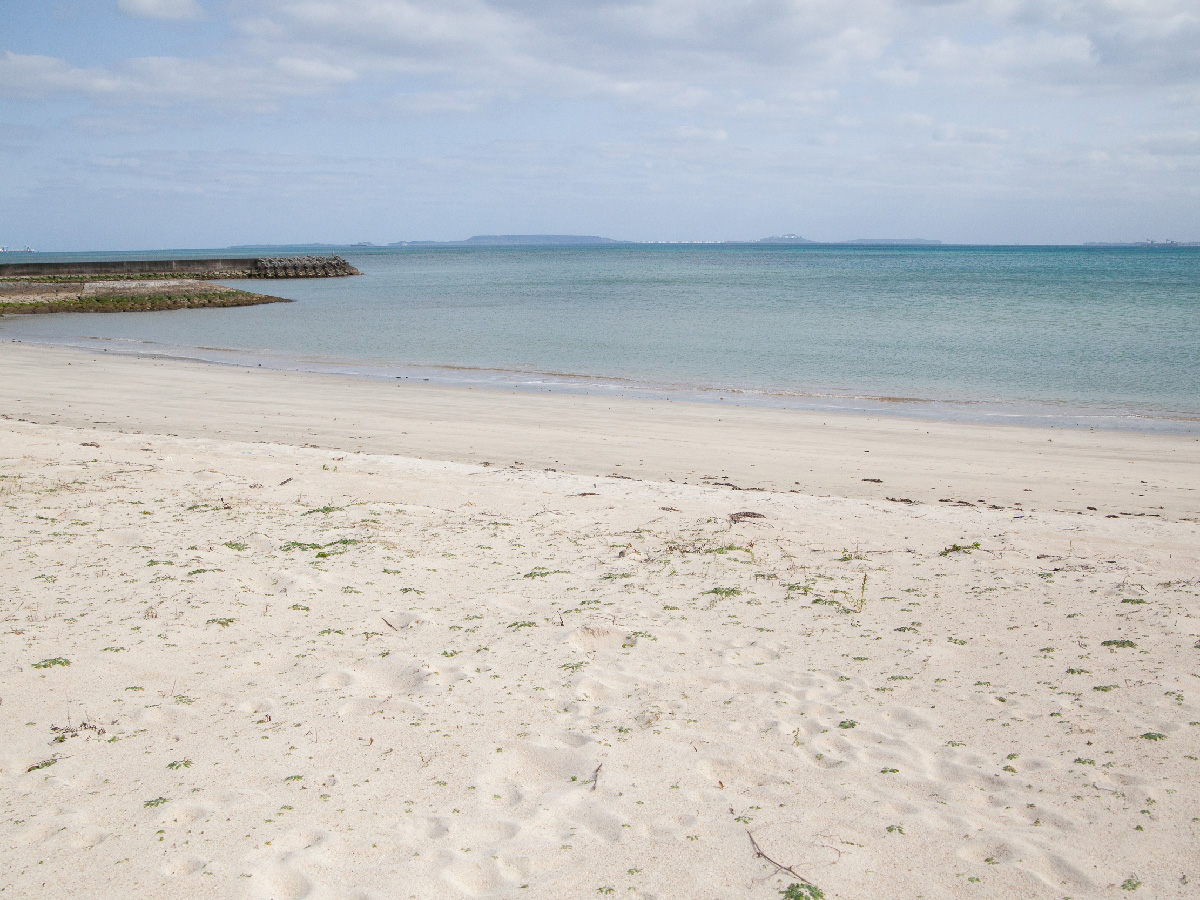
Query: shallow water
[1104, 337]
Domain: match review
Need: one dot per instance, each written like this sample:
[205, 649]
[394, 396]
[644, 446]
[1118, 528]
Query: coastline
[288, 635]
[1036, 414]
[824, 453]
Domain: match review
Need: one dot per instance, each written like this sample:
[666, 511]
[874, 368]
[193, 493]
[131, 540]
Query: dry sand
[233, 665]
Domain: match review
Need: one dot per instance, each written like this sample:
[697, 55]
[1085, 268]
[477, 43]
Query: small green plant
[573, 666]
[1120, 643]
[1133, 600]
[223, 622]
[157, 801]
[294, 778]
[724, 592]
[543, 572]
[895, 829]
[324, 510]
[236, 545]
[55, 661]
[523, 625]
[1080, 761]
[44, 764]
[614, 576]
[959, 548]
[847, 723]
[958, 641]
[451, 653]
[299, 607]
[1078, 672]
[886, 771]
[1131, 883]
[1153, 736]
[802, 892]
[1105, 687]
[180, 764]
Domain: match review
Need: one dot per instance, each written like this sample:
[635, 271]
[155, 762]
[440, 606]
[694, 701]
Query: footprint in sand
[336, 680]
[281, 882]
[597, 637]
[184, 864]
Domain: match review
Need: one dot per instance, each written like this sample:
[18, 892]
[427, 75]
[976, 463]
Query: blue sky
[139, 124]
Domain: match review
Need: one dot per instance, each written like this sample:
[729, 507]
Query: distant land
[785, 239]
[516, 240]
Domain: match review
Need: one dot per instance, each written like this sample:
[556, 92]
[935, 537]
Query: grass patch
[324, 510]
[959, 548]
[543, 572]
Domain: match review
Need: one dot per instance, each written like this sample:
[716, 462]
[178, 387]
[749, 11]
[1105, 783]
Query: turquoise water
[1104, 337]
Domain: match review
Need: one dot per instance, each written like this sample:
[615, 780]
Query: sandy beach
[283, 635]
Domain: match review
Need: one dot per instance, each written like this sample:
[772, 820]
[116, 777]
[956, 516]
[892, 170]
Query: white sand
[315, 672]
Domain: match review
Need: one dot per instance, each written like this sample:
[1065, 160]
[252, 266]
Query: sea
[1069, 337]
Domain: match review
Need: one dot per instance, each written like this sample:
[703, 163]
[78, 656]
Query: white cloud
[158, 80]
[734, 56]
[168, 10]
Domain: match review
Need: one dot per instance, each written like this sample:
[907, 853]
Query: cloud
[728, 56]
[161, 80]
[167, 10]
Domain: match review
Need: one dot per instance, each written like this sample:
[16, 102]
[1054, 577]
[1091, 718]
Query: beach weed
[802, 892]
[724, 592]
[959, 548]
[54, 661]
[543, 572]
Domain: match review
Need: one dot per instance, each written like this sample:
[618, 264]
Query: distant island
[516, 240]
[785, 239]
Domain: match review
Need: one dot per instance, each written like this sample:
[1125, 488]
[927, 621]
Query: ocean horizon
[1066, 336]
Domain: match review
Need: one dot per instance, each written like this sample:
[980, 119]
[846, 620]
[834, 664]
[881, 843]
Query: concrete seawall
[263, 267]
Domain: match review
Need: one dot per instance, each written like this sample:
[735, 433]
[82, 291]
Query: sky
[146, 124]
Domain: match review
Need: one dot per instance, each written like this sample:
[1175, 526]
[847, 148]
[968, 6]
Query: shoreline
[826, 453]
[1028, 413]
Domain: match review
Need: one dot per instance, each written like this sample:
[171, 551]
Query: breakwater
[262, 267]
